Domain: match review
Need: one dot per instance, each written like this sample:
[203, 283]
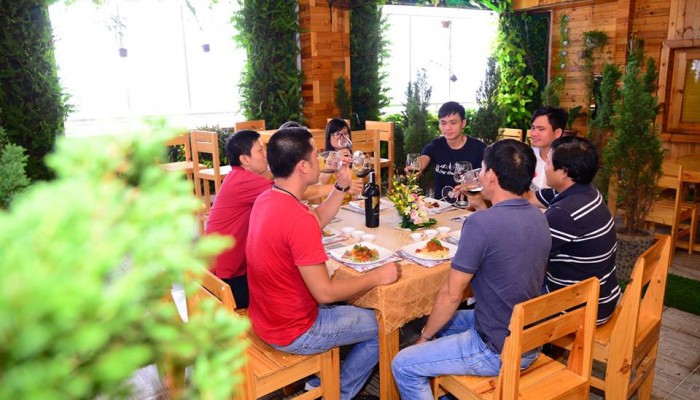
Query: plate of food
[329, 233]
[435, 206]
[361, 253]
[432, 249]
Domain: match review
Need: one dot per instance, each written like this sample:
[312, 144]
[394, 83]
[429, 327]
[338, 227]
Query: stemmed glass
[472, 182]
[461, 172]
[331, 161]
[361, 166]
[413, 162]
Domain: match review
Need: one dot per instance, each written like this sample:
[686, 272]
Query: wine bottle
[371, 194]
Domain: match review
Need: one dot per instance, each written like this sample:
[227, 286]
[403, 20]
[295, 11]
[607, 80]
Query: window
[453, 45]
[679, 83]
[166, 72]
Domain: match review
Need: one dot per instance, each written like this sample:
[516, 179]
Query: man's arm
[326, 290]
[329, 208]
[446, 303]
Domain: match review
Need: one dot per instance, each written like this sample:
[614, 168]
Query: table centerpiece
[409, 204]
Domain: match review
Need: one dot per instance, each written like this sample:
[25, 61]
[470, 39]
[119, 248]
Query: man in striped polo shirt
[584, 242]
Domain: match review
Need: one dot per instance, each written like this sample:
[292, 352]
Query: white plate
[440, 205]
[411, 249]
[383, 253]
[456, 234]
[360, 204]
[329, 233]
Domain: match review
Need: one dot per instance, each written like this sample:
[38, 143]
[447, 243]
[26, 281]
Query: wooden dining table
[411, 297]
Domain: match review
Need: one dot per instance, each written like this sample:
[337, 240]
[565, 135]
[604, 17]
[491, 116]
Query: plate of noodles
[432, 249]
[361, 253]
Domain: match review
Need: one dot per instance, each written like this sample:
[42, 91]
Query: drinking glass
[472, 182]
[361, 166]
[329, 161]
[460, 172]
[413, 162]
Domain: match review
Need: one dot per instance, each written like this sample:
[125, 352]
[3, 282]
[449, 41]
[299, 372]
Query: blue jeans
[458, 351]
[339, 326]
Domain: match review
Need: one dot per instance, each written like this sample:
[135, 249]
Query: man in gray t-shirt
[503, 254]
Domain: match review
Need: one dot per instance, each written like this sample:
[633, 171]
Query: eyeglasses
[340, 133]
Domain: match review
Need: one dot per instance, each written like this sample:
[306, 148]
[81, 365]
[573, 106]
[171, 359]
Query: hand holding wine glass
[413, 163]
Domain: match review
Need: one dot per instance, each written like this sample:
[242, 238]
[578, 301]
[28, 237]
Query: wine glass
[329, 161]
[413, 162]
[460, 172]
[472, 182]
[449, 195]
[361, 166]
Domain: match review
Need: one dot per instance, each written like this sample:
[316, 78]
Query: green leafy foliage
[33, 106]
[342, 99]
[368, 50]
[634, 152]
[551, 94]
[489, 117]
[270, 83]
[574, 114]
[13, 177]
[600, 125]
[86, 262]
[518, 85]
[594, 43]
[416, 132]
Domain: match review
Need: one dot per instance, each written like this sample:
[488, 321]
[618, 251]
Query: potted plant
[633, 155]
[574, 114]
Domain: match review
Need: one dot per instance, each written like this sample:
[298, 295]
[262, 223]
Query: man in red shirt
[230, 214]
[290, 290]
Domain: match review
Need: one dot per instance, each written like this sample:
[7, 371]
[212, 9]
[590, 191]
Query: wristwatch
[337, 187]
[426, 337]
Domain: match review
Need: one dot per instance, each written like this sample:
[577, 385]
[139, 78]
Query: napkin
[419, 261]
[333, 239]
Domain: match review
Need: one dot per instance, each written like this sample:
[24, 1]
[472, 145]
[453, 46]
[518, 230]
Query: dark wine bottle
[371, 194]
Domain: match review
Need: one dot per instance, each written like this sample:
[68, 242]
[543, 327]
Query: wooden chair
[681, 216]
[629, 341]
[533, 323]
[368, 141]
[268, 370]
[254, 125]
[180, 166]
[510, 133]
[206, 142]
[386, 134]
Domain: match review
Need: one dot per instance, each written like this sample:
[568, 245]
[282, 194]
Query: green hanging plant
[594, 43]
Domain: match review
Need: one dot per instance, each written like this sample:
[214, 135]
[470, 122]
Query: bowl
[430, 233]
[444, 230]
[417, 236]
[368, 237]
[348, 230]
[358, 234]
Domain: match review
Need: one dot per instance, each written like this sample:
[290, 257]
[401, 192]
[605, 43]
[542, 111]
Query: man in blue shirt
[502, 254]
[452, 146]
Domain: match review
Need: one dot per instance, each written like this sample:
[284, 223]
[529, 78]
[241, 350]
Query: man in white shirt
[547, 124]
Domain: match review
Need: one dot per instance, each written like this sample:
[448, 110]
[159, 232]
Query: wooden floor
[677, 368]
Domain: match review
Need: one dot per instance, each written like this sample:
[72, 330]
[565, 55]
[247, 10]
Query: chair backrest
[571, 310]
[672, 178]
[254, 125]
[367, 141]
[637, 328]
[181, 140]
[510, 133]
[386, 134]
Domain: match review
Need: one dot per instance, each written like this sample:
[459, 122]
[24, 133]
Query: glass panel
[690, 110]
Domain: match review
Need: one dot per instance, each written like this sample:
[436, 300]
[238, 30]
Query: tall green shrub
[600, 126]
[271, 81]
[634, 152]
[342, 99]
[86, 262]
[416, 132]
[13, 177]
[368, 49]
[489, 118]
[33, 106]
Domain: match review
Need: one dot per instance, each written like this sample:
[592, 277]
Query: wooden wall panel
[325, 56]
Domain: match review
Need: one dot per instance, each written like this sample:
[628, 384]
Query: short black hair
[291, 124]
[556, 117]
[333, 126]
[452, 107]
[577, 156]
[286, 148]
[513, 162]
[240, 144]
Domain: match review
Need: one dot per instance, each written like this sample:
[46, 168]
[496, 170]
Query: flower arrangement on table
[410, 205]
